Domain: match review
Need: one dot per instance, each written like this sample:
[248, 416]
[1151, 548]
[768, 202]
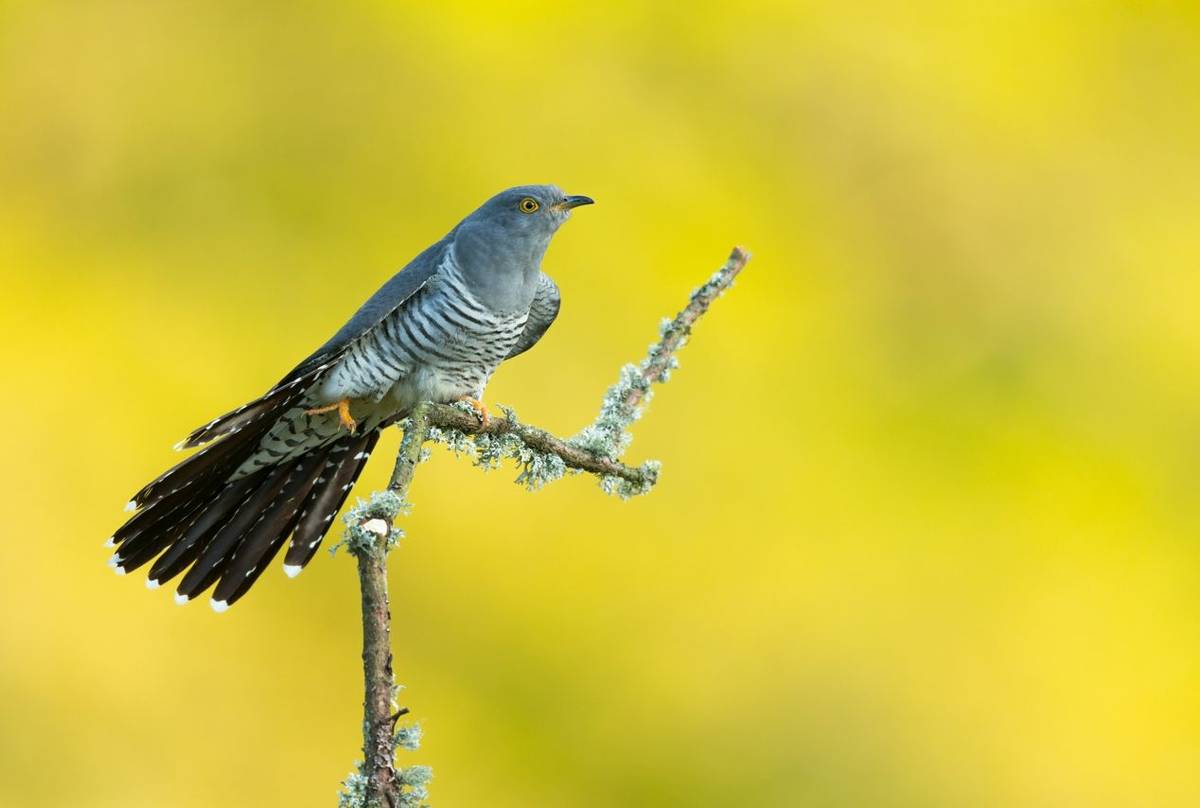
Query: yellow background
[927, 527]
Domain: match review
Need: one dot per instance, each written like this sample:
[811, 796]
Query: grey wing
[292, 387]
[390, 296]
[543, 310]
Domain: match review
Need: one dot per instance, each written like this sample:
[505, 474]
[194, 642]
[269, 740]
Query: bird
[280, 466]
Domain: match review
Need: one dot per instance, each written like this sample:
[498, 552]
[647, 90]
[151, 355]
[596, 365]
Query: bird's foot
[481, 410]
[343, 411]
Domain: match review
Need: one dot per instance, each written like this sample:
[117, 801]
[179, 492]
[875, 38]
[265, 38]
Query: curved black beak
[576, 201]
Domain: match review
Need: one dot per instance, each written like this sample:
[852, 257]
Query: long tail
[224, 529]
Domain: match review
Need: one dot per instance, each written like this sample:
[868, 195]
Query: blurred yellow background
[927, 528]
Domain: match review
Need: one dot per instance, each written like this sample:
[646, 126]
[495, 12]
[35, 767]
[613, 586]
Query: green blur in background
[927, 527]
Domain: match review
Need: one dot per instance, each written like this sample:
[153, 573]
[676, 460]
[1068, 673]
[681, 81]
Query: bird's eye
[528, 205]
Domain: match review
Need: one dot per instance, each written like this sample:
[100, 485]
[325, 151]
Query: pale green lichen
[413, 789]
[458, 442]
[539, 468]
[354, 791]
[407, 737]
[620, 487]
[385, 505]
[608, 435]
[412, 780]
[489, 451]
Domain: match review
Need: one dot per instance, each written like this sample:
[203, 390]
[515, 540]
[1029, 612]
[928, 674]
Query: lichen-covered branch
[608, 435]
[598, 447]
[370, 534]
[543, 457]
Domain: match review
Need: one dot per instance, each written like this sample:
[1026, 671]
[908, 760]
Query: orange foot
[343, 411]
[480, 409]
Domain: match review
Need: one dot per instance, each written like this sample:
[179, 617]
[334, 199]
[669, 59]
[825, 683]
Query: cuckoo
[276, 470]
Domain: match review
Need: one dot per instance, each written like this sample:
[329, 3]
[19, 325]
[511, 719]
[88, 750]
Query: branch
[370, 534]
[598, 447]
[466, 422]
[543, 457]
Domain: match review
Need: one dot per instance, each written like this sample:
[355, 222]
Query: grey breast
[443, 327]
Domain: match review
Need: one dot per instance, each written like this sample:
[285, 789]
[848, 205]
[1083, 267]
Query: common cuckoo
[281, 465]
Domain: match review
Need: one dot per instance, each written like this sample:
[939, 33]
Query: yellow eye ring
[528, 205]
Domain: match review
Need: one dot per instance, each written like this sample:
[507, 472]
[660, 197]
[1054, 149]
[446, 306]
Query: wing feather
[403, 285]
[542, 312]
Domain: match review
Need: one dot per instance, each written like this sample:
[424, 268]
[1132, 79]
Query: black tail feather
[210, 564]
[193, 520]
[265, 408]
[146, 520]
[222, 458]
[341, 470]
[263, 540]
[143, 549]
[197, 532]
[215, 462]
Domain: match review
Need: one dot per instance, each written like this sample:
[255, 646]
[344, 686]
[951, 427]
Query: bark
[379, 684]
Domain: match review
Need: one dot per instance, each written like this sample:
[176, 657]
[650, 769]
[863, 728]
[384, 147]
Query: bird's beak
[576, 201]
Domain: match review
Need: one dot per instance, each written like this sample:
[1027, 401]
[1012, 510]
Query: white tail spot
[112, 542]
[218, 606]
[130, 506]
[181, 598]
[151, 583]
[292, 570]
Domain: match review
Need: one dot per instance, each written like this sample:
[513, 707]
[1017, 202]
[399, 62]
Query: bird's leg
[343, 411]
[480, 409]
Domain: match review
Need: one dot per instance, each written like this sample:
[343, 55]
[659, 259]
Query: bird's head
[527, 212]
[500, 246]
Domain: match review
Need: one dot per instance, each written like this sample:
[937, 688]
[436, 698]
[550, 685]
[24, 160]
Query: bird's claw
[343, 411]
[481, 410]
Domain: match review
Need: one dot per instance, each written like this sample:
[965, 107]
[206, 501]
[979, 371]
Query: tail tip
[115, 564]
[218, 606]
[112, 542]
[152, 583]
[292, 570]
[130, 506]
[181, 599]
